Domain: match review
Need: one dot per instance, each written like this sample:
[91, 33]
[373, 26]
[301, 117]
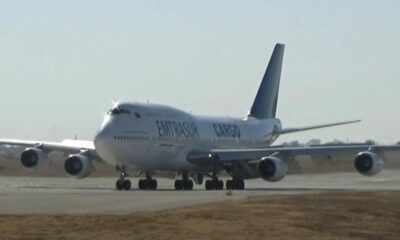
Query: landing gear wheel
[142, 184]
[235, 184]
[219, 185]
[188, 185]
[209, 185]
[123, 183]
[184, 183]
[152, 184]
[119, 185]
[127, 185]
[214, 184]
[229, 184]
[148, 183]
[178, 184]
[239, 184]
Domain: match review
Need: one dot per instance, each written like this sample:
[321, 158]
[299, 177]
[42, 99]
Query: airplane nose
[103, 136]
[99, 139]
[103, 142]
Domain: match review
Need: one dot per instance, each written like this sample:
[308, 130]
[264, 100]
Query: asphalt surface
[22, 195]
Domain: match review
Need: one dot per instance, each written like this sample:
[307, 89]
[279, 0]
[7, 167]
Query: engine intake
[272, 169]
[33, 158]
[368, 163]
[78, 166]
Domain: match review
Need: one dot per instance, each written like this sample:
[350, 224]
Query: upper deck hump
[153, 110]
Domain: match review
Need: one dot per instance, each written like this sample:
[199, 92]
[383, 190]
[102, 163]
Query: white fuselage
[158, 138]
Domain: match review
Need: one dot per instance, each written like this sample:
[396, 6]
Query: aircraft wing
[239, 155]
[293, 130]
[66, 146]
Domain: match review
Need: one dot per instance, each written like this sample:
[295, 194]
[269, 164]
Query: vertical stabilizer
[264, 105]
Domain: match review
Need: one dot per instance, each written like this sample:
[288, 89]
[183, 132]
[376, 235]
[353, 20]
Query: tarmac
[54, 196]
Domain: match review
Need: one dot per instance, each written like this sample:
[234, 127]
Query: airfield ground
[318, 206]
[334, 215]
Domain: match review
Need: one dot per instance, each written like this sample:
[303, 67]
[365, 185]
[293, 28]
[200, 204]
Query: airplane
[153, 139]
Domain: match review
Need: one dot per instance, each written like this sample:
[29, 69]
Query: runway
[52, 196]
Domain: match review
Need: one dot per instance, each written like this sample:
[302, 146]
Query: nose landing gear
[122, 183]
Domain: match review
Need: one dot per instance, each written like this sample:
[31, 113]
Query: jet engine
[33, 158]
[272, 169]
[78, 166]
[368, 163]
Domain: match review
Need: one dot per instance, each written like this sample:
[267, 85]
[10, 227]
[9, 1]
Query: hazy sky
[63, 62]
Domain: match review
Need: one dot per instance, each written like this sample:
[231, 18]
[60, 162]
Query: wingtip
[352, 121]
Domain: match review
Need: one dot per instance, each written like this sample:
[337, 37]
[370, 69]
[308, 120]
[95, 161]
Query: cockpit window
[117, 111]
[124, 111]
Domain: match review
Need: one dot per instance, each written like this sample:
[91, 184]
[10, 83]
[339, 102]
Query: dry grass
[357, 215]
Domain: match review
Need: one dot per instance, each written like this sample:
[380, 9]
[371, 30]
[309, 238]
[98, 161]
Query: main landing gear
[148, 183]
[235, 183]
[122, 183]
[184, 184]
[214, 183]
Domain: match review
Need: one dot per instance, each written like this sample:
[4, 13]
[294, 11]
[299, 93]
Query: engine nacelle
[368, 163]
[33, 158]
[78, 166]
[272, 169]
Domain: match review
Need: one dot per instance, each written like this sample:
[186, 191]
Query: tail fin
[264, 105]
